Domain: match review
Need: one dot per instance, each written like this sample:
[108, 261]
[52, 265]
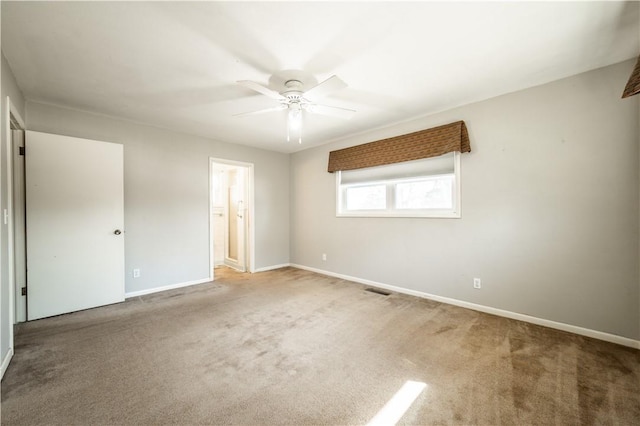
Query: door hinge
[24, 291]
[21, 150]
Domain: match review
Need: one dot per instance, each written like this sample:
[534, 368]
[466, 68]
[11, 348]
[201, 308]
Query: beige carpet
[294, 347]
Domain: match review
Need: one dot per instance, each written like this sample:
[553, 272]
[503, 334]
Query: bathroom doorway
[231, 214]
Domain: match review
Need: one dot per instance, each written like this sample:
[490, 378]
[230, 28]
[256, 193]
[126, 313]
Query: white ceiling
[175, 64]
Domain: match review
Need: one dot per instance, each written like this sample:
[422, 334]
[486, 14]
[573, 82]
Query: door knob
[117, 232]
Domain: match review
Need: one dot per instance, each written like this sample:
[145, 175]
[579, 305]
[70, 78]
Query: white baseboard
[5, 362]
[613, 338]
[165, 288]
[272, 267]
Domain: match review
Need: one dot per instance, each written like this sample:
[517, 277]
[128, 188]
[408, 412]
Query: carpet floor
[294, 347]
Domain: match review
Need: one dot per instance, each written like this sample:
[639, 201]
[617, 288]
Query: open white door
[19, 231]
[75, 219]
[236, 218]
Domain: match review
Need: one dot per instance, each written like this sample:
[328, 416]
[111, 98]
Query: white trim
[613, 338]
[212, 262]
[10, 110]
[14, 111]
[458, 173]
[11, 273]
[435, 214]
[235, 268]
[165, 288]
[272, 267]
[251, 220]
[5, 362]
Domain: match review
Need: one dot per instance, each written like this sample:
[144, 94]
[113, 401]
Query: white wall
[9, 88]
[549, 209]
[166, 178]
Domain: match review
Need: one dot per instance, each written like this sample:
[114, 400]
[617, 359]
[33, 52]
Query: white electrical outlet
[136, 273]
[324, 256]
[477, 283]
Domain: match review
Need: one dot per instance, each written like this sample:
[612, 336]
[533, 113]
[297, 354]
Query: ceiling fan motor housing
[294, 90]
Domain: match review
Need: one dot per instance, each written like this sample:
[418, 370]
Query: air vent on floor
[377, 291]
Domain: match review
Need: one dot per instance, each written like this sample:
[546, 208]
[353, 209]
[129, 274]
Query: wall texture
[166, 185]
[549, 209]
[9, 88]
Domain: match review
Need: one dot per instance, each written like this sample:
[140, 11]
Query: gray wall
[550, 205]
[549, 209]
[9, 88]
[167, 194]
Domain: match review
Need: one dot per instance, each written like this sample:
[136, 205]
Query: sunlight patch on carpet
[393, 410]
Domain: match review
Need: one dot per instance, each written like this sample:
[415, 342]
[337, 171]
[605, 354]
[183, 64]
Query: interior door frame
[250, 210]
[10, 110]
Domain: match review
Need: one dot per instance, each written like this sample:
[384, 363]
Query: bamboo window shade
[413, 146]
[633, 85]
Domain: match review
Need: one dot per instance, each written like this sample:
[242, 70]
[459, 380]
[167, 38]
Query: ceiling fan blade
[261, 89]
[330, 111]
[261, 111]
[331, 84]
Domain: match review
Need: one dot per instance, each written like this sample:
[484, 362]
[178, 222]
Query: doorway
[231, 213]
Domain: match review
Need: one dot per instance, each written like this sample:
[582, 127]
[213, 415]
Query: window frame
[454, 213]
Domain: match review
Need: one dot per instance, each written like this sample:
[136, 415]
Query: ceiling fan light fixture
[294, 121]
[294, 99]
[295, 118]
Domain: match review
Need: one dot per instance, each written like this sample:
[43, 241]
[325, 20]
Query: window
[366, 197]
[421, 188]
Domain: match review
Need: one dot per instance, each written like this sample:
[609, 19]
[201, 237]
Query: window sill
[416, 215]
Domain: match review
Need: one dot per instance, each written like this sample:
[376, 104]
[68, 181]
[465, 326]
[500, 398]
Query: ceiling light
[294, 122]
[294, 99]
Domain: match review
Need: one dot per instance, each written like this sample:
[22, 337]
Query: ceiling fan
[296, 100]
